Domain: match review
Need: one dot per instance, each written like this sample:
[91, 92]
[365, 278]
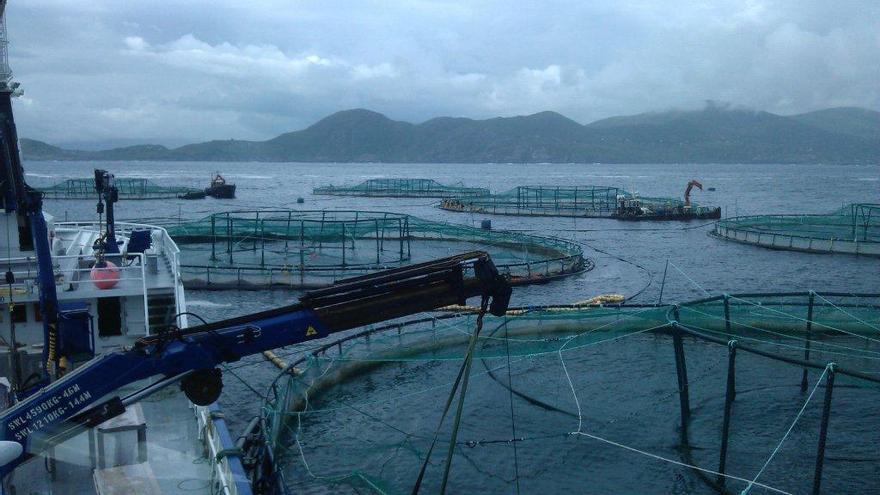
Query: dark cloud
[203, 70]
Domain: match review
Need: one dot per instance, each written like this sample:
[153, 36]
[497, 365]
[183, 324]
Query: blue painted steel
[45, 276]
[75, 330]
[139, 241]
[239, 477]
[36, 420]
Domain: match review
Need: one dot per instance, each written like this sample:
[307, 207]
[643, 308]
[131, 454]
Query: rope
[464, 376]
[580, 431]
[512, 417]
[673, 461]
[846, 313]
[690, 279]
[461, 396]
[221, 454]
[458, 380]
[784, 437]
[778, 334]
[804, 319]
[618, 258]
[246, 384]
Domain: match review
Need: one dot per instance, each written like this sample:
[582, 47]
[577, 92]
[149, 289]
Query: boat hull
[225, 191]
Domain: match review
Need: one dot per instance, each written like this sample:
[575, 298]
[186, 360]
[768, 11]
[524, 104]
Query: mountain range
[714, 134]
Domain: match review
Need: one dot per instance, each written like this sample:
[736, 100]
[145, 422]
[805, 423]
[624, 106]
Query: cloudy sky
[181, 71]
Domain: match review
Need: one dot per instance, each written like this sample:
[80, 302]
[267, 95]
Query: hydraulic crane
[687, 192]
[89, 395]
[85, 397]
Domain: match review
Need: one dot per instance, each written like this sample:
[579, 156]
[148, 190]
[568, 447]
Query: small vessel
[219, 188]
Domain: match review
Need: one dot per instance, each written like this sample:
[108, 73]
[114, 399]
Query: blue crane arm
[80, 398]
[37, 421]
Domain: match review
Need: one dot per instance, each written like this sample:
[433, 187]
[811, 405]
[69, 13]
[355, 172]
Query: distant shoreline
[78, 160]
[711, 135]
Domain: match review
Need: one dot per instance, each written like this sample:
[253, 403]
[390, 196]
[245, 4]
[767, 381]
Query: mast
[26, 204]
[12, 184]
[5, 71]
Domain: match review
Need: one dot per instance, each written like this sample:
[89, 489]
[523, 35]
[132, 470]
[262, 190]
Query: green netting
[579, 201]
[129, 188]
[403, 188]
[854, 229]
[585, 399]
[313, 248]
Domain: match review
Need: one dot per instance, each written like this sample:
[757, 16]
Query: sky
[173, 72]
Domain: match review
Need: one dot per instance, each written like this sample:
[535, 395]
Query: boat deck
[174, 455]
[73, 257]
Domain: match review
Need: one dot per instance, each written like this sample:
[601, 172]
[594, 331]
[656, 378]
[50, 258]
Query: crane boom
[687, 191]
[80, 399]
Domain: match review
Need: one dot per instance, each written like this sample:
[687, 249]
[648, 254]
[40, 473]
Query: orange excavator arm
[687, 192]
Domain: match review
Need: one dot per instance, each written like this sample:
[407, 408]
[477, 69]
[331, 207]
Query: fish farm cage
[296, 248]
[403, 188]
[129, 188]
[580, 201]
[853, 229]
[740, 393]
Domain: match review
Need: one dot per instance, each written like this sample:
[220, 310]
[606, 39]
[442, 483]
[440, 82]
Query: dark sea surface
[698, 265]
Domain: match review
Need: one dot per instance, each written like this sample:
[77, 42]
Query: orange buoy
[105, 275]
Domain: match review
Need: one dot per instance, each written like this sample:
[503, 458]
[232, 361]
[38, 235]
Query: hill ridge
[715, 134]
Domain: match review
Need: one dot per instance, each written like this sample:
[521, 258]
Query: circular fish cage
[853, 229]
[732, 394]
[579, 201]
[130, 188]
[402, 188]
[292, 248]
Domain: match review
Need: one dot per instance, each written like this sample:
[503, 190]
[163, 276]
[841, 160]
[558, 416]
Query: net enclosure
[403, 188]
[312, 248]
[580, 201]
[129, 188]
[729, 394]
[852, 229]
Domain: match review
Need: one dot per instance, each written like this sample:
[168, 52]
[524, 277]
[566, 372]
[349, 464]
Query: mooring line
[678, 463]
[690, 279]
[846, 313]
[512, 417]
[784, 437]
[778, 334]
[772, 310]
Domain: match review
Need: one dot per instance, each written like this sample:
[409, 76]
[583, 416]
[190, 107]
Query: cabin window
[109, 316]
[19, 313]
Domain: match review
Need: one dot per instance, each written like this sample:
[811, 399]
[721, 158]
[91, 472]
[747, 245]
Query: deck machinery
[85, 397]
[61, 405]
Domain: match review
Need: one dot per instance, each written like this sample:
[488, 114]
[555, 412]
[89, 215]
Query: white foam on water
[46, 176]
[206, 304]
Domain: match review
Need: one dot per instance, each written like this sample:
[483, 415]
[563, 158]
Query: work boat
[106, 389]
[107, 299]
[219, 188]
[76, 290]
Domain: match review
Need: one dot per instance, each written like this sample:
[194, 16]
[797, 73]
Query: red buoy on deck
[105, 275]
